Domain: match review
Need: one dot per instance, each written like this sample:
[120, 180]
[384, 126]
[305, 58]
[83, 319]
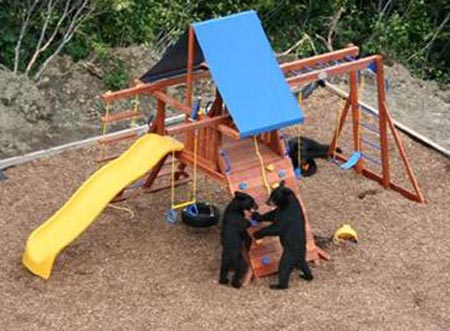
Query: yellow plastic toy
[270, 167]
[275, 185]
[345, 232]
[90, 199]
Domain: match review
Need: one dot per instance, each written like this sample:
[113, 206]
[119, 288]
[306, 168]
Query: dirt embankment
[59, 108]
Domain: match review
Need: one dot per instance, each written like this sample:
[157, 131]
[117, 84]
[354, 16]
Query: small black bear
[310, 150]
[289, 224]
[233, 235]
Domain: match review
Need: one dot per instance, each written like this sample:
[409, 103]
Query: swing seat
[352, 161]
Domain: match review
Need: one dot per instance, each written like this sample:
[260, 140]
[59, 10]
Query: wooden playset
[230, 142]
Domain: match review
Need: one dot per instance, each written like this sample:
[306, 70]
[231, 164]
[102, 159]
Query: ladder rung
[116, 138]
[370, 143]
[370, 127]
[371, 159]
[120, 116]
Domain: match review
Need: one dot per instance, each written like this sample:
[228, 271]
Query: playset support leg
[382, 114]
[339, 128]
[154, 173]
[158, 125]
[401, 150]
[189, 136]
[190, 66]
[356, 118]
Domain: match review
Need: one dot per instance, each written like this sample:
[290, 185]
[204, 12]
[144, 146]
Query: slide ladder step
[117, 138]
[370, 127]
[370, 143]
[120, 116]
[371, 159]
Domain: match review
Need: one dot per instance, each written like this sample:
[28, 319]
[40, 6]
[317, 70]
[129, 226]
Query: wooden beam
[171, 101]
[338, 130]
[227, 131]
[331, 71]
[382, 121]
[190, 66]
[204, 166]
[356, 118]
[154, 172]
[401, 149]
[318, 59]
[197, 124]
[148, 88]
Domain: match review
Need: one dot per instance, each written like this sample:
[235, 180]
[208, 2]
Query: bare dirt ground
[144, 274]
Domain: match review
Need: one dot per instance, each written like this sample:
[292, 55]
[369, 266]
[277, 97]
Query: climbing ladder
[109, 118]
[243, 172]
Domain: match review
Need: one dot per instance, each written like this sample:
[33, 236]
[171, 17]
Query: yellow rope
[263, 172]
[194, 184]
[129, 210]
[104, 130]
[136, 110]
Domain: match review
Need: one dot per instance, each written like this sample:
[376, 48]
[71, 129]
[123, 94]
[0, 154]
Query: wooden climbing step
[117, 138]
[129, 114]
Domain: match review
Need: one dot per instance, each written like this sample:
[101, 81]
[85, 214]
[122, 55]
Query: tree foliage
[414, 32]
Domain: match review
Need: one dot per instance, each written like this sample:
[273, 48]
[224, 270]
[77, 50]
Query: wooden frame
[215, 132]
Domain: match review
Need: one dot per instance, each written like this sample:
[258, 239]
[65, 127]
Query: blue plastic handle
[298, 173]
[195, 109]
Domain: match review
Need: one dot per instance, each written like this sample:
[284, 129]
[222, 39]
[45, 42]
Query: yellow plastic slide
[90, 199]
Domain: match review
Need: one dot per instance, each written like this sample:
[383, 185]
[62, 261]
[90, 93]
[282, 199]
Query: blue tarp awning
[246, 72]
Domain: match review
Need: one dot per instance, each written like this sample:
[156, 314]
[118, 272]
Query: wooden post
[338, 130]
[189, 136]
[190, 66]
[382, 121]
[399, 143]
[356, 118]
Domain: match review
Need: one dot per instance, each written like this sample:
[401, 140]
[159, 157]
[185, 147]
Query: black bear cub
[310, 150]
[289, 224]
[233, 236]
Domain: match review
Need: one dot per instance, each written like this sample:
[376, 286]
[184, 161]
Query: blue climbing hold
[243, 186]
[253, 222]
[171, 216]
[265, 260]
[281, 174]
[298, 173]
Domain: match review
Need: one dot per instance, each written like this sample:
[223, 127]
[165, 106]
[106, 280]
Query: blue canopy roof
[247, 74]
